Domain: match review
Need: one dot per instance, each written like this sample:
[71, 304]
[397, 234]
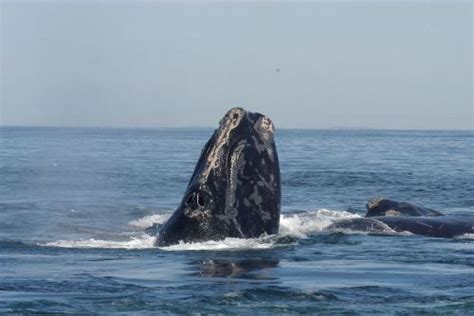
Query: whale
[440, 226]
[235, 189]
[385, 215]
[380, 206]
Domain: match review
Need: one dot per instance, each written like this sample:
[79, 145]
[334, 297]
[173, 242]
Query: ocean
[75, 205]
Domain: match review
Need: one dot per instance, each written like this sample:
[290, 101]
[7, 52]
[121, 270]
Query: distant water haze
[352, 64]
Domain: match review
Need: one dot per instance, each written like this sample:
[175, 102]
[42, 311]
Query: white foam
[299, 225]
[302, 224]
[149, 220]
[143, 242]
[226, 244]
[466, 236]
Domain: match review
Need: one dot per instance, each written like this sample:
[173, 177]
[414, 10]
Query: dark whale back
[386, 207]
[441, 226]
[405, 217]
[235, 187]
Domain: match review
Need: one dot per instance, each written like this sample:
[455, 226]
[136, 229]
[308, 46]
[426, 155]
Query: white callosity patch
[265, 128]
[198, 213]
[228, 123]
[374, 202]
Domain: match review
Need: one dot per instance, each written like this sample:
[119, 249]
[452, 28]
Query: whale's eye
[199, 200]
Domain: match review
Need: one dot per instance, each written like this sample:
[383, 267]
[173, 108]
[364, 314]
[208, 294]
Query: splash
[142, 242]
[466, 237]
[266, 242]
[299, 225]
[303, 224]
[150, 220]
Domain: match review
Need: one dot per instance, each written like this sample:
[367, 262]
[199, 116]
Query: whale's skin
[439, 226]
[385, 207]
[383, 213]
[235, 189]
[367, 225]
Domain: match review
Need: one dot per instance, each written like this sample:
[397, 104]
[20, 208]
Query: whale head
[380, 206]
[234, 190]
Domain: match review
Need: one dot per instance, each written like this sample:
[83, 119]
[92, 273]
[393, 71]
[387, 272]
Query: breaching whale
[235, 188]
[406, 217]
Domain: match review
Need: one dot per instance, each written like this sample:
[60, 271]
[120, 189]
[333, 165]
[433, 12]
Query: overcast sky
[305, 64]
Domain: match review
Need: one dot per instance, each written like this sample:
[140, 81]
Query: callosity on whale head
[235, 188]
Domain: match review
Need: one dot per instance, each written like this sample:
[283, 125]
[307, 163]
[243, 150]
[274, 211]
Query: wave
[302, 224]
[298, 225]
[265, 242]
[142, 242]
[150, 220]
[466, 236]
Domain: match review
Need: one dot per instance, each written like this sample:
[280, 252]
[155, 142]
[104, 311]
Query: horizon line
[211, 127]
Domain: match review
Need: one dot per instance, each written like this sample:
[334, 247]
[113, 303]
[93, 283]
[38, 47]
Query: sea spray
[298, 225]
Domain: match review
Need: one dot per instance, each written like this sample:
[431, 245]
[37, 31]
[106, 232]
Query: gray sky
[159, 64]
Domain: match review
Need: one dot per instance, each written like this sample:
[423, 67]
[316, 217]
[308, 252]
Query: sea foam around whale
[298, 225]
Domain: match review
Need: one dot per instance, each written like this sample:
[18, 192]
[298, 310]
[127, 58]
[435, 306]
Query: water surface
[75, 204]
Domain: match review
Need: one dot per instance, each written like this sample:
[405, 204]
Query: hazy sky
[158, 64]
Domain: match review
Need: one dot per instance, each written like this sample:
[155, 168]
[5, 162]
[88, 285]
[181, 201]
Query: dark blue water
[74, 205]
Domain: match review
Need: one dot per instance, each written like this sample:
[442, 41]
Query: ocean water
[75, 204]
